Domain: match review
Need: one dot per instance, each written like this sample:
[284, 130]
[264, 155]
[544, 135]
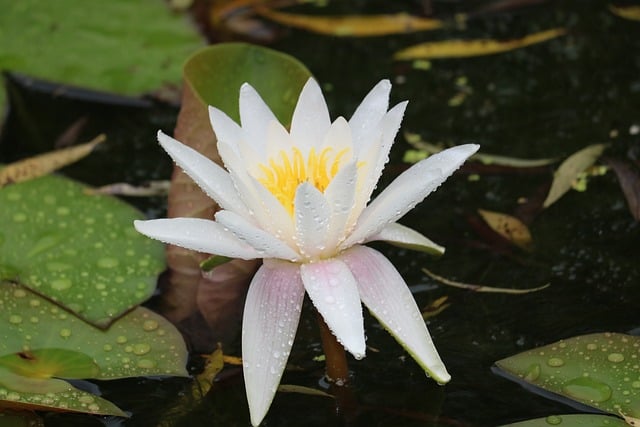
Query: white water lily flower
[298, 199]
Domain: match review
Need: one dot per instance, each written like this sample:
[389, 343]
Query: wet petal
[255, 116]
[338, 137]
[366, 119]
[406, 237]
[200, 235]
[224, 127]
[407, 190]
[310, 120]
[333, 291]
[312, 216]
[340, 195]
[271, 315]
[209, 176]
[263, 242]
[389, 300]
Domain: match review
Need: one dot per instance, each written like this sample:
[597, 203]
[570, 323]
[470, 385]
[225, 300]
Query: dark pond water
[547, 100]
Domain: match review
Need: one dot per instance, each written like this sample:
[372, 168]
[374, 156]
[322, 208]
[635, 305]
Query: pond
[544, 101]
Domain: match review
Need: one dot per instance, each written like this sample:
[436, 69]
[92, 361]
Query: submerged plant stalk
[337, 369]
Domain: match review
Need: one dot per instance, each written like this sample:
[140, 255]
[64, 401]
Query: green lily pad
[598, 370]
[128, 47]
[40, 343]
[79, 250]
[573, 420]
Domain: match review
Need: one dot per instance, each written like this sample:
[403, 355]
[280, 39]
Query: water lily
[299, 200]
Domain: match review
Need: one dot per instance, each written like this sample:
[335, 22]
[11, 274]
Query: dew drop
[146, 363]
[587, 389]
[15, 319]
[150, 325]
[592, 346]
[615, 357]
[107, 262]
[121, 339]
[329, 299]
[142, 348]
[532, 373]
[635, 384]
[553, 420]
[65, 333]
[107, 347]
[19, 217]
[61, 284]
[19, 293]
[555, 362]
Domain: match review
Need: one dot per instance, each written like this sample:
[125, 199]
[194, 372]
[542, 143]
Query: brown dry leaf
[353, 25]
[482, 288]
[629, 180]
[467, 48]
[291, 388]
[569, 170]
[46, 163]
[509, 227]
[435, 308]
[626, 12]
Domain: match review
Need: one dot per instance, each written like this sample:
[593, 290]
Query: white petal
[200, 235]
[271, 315]
[255, 116]
[312, 216]
[263, 242]
[224, 127]
[333, 291]
[209, 176]
[407, 190]
[310, 119]
[338, 137]
[366, 118]
[388, 298]
[340, 195]
[405, 237]
[278, 139]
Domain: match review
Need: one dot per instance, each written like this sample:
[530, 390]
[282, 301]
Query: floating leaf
[572, 420]
[426, 148]
[467, 48]
[481, 288]
[626, 12]
[78, 250]
[569, 171]
[292, 388]
[353, 25]
[507, 226]
[598, 370]
[82, 43]
[43, 164]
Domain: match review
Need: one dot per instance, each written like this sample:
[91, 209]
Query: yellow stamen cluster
[287, 171]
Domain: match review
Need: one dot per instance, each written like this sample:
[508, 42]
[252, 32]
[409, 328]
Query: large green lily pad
[573, 420]
[40, 342]
[598, 370]
[123, 46]
[79, 250]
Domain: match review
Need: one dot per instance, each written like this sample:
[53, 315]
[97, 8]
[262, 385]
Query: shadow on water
[547, 100]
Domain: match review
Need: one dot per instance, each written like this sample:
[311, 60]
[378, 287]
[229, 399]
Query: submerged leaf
[626, 12]
[78, 250]
[43, 164]
[467, 48]
[572, 420]
[598, 370]
[569, 169]
[353, 25]
[507, 226]
[481, 288]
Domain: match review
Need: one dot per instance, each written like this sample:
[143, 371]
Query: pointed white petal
[407, 190]
[405, 237]
[312, 215]
[263, 242]
[278, 139]
[271, 315]
[333, 291]
[310, 119]
[388, 298]
[255, 116]
[209, 176]
[224, 127]
[340, 195]
[366, 118]
[200, 235]
[338, 137]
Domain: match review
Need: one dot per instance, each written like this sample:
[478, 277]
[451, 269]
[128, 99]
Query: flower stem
[336, 358]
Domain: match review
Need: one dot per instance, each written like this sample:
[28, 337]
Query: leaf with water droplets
[78, 250]
[573, 420]
[598, 370]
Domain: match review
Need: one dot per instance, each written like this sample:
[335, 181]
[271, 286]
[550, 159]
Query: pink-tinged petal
[407, 190]
[340, 195]
[405, 237]
[265, 243]
[271, 315]
[224, 127]
[386, 295]
[312, 215]
[333, 291]
[255, 116]
[310, 119]
[366, 119]
[209, 176]
[198, 234]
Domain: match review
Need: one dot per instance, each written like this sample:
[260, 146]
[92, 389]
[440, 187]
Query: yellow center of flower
[287, 171]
